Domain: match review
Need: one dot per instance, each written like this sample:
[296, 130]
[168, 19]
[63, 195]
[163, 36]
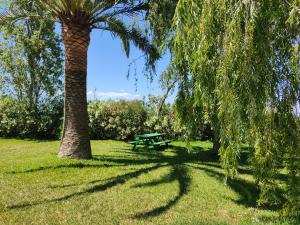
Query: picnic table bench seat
[161, 142]
[153, 139]
[134, 142]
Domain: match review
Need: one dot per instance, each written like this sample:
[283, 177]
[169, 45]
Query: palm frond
[127, 34]
[94, 11]
[102, 14]
[118, 28]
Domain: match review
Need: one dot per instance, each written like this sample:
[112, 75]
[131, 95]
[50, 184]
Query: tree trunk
[216, 144]
[75, 141]
[216, 129]
[163, 99]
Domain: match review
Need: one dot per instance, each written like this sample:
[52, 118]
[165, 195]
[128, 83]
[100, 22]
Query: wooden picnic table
[151, 139]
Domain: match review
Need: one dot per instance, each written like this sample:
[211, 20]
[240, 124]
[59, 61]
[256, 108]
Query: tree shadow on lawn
[180, 163]
[113, 181]
[67, 166]
[248, 191]
[180, 173]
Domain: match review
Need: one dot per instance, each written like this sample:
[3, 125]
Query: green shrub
[111, 119]
[119, 120]
[164, 123]
[43, 121]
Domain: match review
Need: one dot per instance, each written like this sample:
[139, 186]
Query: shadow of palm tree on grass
[68, 166]
[121, 179]
[179, 172]
[177, 158]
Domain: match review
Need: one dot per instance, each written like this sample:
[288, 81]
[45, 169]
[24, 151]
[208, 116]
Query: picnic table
[147, 140]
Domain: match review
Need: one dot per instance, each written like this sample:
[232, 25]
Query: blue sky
[108, 67]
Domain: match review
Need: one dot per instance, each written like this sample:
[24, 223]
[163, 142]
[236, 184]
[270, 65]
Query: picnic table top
[151, 135]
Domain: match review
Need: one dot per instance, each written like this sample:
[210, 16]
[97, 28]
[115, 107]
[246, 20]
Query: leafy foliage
[244, 56]
[160, 16]
[31, 57]
[163, 122]
[119, 120]
[30, 79]
[17, 120]
[122, 120]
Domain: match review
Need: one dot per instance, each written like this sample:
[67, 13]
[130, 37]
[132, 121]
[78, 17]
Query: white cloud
[113, 95]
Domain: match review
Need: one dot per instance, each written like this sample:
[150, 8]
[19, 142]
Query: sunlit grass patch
[121, 186]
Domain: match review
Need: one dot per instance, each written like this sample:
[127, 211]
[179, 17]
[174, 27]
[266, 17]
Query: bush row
[17, 119]
[111, 119]
[116, 119]
[122, 120]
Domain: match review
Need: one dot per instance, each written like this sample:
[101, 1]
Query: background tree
[78, 18]
[31, 73]
[165, 122]
[160, 18]
[168, 80]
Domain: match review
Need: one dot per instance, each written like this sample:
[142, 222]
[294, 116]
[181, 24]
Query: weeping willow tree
[242, 58]
[239, 59]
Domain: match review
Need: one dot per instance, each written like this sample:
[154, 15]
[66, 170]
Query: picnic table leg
[146, 144]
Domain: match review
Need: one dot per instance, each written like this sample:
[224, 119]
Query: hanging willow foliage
[242, 57]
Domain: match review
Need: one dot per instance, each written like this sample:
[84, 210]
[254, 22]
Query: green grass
[121, 186]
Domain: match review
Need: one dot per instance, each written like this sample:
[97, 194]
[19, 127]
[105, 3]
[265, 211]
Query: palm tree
[78, 18]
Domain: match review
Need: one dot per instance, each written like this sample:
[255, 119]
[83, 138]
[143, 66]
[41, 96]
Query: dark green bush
[111, 119]
[164, 123]
[122, 120]
[119, 120]
[43, 121]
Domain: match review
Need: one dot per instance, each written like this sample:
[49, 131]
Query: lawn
[121, 186]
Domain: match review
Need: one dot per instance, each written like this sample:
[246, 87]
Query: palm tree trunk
[75, 141]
